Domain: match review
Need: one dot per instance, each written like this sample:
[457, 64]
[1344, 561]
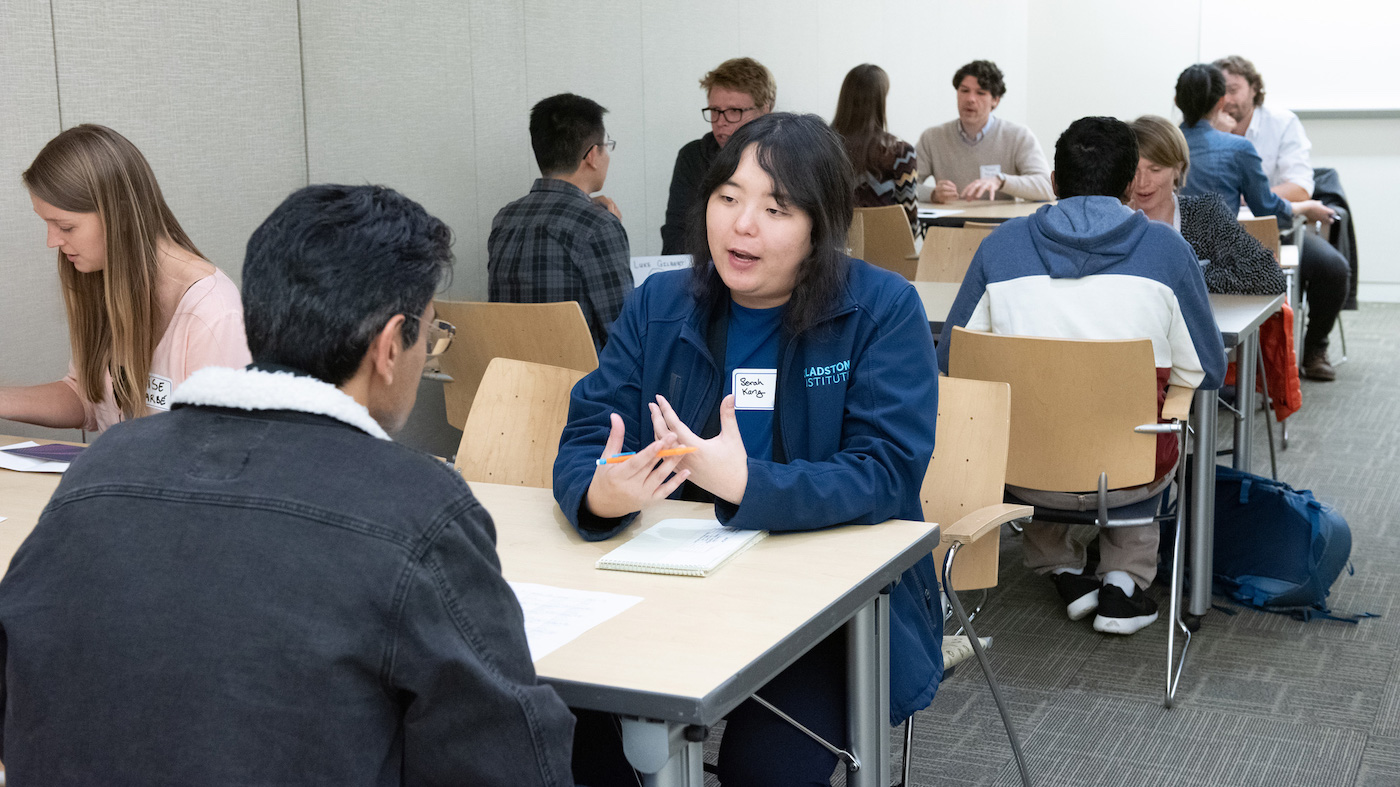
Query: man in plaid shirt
[555, 243]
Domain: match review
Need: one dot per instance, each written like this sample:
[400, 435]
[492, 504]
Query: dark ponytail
[1198, 90]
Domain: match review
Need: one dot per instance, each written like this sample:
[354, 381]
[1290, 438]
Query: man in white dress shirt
[1278, 136]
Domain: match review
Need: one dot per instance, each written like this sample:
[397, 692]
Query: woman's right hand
[1314, 211]
[622, 488]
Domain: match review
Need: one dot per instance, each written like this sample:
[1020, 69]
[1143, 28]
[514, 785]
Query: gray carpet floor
[1264, 699]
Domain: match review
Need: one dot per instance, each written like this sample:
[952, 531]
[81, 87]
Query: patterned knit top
[1238, 263]
[892, 182]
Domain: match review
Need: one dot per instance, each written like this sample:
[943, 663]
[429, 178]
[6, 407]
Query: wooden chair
[855, 237]
[1091, 424]
[948, 251]
[889, 242]
[963, 486]
[512, 434]
[550, 333]
[1265, 230]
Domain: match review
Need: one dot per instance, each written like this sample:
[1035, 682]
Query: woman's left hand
[719, 465]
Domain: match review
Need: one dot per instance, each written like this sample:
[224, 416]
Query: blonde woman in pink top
[145, 309]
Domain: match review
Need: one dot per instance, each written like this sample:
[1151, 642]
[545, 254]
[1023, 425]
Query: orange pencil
[612, 460]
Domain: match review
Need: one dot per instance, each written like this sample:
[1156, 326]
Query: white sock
[1075, 571]
[1121, 579]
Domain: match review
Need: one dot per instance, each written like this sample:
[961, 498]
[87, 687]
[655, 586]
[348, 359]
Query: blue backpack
[1276, 548]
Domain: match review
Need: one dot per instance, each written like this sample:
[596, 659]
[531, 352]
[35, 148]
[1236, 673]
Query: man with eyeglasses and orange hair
[738, 91]
[558, 243]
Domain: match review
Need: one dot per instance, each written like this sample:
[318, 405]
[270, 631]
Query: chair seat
[1143, 512]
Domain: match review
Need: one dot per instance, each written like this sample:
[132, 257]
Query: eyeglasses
[608, 142]
[440, 335]
[733, 114]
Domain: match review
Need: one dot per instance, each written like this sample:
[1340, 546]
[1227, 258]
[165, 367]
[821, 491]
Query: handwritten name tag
[158, 390]
[755, 389]
[990, 170]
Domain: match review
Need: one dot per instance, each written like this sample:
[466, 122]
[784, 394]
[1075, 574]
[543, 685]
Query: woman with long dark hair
[846, 437]
[145, 309]
[884, 164]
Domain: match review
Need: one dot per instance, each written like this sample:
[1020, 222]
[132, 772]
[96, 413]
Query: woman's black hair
[1198, 90]
[807, 162]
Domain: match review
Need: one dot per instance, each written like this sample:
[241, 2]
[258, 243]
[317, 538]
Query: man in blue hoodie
[1089, 267]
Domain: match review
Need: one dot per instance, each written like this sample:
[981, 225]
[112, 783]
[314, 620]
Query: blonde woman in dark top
[884, 164]
[1234, 261]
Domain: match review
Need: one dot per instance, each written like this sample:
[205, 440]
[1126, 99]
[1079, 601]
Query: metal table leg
[1202, 501]
[661, 752]
[1246, 366]
[868, 693]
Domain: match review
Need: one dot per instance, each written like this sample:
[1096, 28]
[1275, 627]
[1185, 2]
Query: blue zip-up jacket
[1229, 165]
[857, 402]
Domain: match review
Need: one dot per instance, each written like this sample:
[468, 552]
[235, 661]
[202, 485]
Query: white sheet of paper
[642, 267]
[25, 464]
[2, 519]
[937, 213]
[554, 616]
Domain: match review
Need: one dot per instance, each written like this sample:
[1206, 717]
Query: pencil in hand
[612, 460]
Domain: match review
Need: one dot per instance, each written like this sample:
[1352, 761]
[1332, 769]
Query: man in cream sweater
[979, 156]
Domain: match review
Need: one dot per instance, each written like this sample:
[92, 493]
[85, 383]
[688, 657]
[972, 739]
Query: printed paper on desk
[937, 213]
[25, 464]
[642, 267]
[554, 617]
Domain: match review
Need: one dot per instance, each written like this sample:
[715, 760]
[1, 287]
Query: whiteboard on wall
[1331, 56]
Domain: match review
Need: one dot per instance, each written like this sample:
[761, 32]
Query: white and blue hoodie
[1092, 268]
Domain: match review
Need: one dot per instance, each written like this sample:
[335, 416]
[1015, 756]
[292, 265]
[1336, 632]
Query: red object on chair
[1280, 364]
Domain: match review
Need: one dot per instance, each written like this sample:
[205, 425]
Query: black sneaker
[1120, 613]
[1081, 593]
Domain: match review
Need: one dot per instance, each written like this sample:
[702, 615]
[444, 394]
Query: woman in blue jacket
[834, 424]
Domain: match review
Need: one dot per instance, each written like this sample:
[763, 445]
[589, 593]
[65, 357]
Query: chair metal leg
[1178, 571]
[908, 750]
[1268, 414]
[1341, 329]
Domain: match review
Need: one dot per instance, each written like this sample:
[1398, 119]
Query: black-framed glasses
[733, 114]
[440, 334]
[608, 142]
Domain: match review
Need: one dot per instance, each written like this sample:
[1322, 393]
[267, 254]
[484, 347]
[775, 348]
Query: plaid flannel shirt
[554, 244]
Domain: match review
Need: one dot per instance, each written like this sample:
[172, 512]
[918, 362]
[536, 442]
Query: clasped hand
[718, 465]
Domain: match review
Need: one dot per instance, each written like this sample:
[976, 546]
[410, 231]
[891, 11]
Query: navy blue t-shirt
[752, 343]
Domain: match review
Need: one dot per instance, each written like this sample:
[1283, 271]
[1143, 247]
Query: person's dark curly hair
[987, 74]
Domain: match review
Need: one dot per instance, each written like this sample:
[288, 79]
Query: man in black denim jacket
[259, 587]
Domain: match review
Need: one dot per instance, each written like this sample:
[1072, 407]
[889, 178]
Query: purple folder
[52, 453]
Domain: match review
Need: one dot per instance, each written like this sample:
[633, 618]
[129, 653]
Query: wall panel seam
[57, 87]
[305, 131]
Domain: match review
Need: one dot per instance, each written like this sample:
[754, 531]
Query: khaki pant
[1132, 550]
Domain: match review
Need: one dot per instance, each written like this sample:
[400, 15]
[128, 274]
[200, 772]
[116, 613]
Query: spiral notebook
[690, 547]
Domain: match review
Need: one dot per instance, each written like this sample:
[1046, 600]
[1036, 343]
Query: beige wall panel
[595, 50]
[505, 166]
[33, 333]
[681, 42]
[210, 93]
[389, 101]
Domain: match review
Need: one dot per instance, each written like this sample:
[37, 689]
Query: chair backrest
[512, 434]
[855, 236]
[1074, 405]
[968, 470]
[889, 242]
[948, 251]
[548, 333]
[1265, 230]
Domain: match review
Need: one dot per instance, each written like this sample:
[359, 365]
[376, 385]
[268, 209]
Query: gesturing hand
[982, 187]
[719, 465]
[624, 487]
[945, 191]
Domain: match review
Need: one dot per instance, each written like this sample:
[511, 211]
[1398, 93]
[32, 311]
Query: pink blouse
[207, 330]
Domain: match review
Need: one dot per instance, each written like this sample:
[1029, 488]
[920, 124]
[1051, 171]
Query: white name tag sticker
[991, 170]
[754, 389]
[158, 390]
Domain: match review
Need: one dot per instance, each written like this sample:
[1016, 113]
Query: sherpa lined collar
[255, 389]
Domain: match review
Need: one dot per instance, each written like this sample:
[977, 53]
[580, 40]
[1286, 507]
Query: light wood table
[1238, 317]
[22, 498]
[695, 648]
[980, 210]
